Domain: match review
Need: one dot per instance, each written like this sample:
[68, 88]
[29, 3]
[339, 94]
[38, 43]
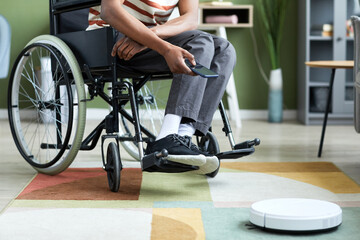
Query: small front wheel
[113, 167]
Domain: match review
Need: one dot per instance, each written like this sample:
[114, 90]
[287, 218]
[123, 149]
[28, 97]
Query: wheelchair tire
[151, 101]
[47, 123]
[113, 166]
[209, 143]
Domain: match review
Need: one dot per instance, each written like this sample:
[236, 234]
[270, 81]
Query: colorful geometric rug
[77, 204]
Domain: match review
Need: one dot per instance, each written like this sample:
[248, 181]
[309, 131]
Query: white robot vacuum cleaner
[295, 215]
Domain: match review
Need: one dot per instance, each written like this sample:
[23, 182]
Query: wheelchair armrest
[91, 47]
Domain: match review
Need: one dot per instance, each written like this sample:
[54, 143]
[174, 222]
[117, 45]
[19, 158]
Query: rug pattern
[174, 206]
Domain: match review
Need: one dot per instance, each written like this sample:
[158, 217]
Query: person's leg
[222, 63]
[170, 125]
[186, 129]
[186, 94]
[193, 98]
[196, 98]
[151, 61]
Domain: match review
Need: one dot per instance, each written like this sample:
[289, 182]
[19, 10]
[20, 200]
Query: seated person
[148, 42]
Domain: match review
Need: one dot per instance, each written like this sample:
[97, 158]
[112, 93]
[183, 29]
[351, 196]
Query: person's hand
[126, 48]
[175, 59]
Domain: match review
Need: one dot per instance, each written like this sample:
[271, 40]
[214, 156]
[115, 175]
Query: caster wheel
[209, 144]
[113, 167]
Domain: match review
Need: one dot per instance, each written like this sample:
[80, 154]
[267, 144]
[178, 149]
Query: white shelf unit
[312, 46]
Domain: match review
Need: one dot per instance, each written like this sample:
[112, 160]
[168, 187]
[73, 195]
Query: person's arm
[113, 13]
[188, 20]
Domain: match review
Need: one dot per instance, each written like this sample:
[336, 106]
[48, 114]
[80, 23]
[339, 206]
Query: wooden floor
[285, 142]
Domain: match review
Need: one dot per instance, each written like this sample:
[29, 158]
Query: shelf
[333, 119]
[320, 115]
[320, 38]
[318, 84]
[244, 14]
[313, 83]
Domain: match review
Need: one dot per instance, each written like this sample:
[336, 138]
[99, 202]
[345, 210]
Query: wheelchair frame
[97, 69]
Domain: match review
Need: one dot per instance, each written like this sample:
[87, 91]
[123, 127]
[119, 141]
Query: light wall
[31, 18]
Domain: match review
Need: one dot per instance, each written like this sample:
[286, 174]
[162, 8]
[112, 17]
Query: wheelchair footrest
[237, 153]
[248, 144]
[153, 163]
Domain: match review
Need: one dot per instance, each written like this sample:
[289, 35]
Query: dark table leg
[326, 111]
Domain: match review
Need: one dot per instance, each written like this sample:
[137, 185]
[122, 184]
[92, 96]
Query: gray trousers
[192, 97]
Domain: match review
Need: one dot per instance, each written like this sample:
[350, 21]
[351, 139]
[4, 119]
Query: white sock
[170, 125]
[186, 129]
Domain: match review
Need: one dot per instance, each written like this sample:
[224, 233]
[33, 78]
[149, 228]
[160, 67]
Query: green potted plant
[271, 15]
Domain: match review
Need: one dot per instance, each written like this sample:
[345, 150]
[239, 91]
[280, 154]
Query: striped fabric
[149, 12]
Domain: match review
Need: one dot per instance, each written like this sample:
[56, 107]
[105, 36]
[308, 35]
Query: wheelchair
[47, 102]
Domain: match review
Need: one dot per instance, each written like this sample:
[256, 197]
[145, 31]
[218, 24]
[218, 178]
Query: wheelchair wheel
[113, 167]
[46, 114]
[151, 101]
[209, 144]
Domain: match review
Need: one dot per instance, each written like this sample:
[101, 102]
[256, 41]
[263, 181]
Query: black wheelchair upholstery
[74, 21]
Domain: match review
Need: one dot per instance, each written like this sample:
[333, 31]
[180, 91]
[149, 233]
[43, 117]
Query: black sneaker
[212, 165]
[174, 144]
[193, 147]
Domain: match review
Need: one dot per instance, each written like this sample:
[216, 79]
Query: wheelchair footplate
[237, 153]
[163, 162]
[240, 150]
